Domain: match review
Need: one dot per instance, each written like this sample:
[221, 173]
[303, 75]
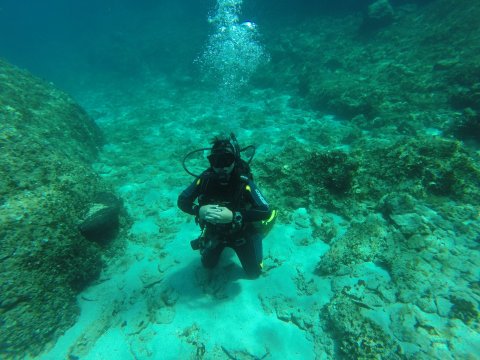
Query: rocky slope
[47, 187]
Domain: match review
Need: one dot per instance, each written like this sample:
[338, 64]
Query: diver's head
[223, 157]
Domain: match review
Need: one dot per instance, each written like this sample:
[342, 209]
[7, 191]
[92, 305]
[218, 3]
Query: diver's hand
[203, 211]
[215, 214]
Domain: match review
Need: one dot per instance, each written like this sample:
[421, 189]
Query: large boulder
[379, 14]
[47, 144]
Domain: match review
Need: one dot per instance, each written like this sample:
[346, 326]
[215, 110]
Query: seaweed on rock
[48, 144]
[356, 336]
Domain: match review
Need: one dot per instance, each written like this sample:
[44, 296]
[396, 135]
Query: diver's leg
[211, 256]
[251, 254]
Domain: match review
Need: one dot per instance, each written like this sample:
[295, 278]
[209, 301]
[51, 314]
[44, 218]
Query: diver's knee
[209, 263]
[253, 274]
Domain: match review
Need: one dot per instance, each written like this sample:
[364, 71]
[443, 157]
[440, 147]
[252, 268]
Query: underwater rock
[423, 334]
[301, 219]
[446, 64]
[396, 203]
[48, 144]
[324, 226]
[393, 173]
[368, 283]
[403, 323]
[304, 286]
[337, 170]
[410, 224]
[321, 178]
[367, 241]
[347, 99]
[357, 336]
[463, 309]
[101, 223]
[423, 167]
[305, 318]
[444, 306]
[378, 15]
[406, 73]
[467, 126]
[466, 95]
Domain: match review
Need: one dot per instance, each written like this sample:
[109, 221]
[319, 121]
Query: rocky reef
[402, 166]
[47, 187]
[419, 68]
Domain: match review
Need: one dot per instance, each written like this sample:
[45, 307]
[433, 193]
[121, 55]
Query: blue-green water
[366, 120]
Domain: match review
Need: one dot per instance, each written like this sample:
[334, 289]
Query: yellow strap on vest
[271, 218]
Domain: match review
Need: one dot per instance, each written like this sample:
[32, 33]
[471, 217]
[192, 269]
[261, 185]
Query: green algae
[48, 143]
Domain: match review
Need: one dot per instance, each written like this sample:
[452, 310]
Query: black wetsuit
[240, 195]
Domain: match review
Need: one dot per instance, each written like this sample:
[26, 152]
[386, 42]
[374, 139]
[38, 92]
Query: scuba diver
[229, 208]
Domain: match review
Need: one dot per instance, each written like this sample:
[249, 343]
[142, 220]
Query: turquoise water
[366, 121]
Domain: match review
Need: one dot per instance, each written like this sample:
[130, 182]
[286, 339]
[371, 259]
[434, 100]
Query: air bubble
[233, 51]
